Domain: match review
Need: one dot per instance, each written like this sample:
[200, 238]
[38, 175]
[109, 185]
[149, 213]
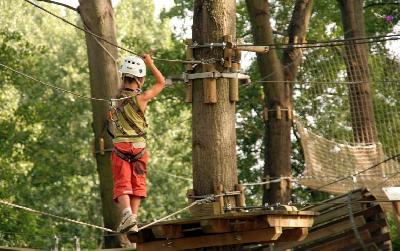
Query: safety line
[353, 223]
[59, 88]
[197, 202]
[54, 216]
[316, 44]
[106, 40]
[172, 175]
[268, 181]
[357, 173]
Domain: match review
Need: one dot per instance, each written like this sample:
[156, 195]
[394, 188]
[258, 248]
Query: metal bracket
[214, 74]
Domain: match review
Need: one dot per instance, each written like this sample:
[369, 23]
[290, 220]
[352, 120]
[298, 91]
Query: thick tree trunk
[214, 134]
[99, 17]
[277, 92]
[356, 58]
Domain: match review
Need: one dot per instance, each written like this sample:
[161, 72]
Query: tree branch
[381, 4]
[61, 4]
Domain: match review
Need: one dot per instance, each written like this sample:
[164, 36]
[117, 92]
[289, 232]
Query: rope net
[346, 100]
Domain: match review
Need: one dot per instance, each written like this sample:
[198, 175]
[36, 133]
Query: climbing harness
[130, 158]
[118, 110]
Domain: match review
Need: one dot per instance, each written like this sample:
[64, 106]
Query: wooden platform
[334, 229]
[228, 229]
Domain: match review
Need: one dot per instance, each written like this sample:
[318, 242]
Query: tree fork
[99, 17]
[278, 94]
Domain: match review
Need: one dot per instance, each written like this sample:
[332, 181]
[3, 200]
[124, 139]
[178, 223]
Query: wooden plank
[256, 236]
[293, 235]
[322, 233]
[356, 195]
[336, 229]
[215, 226]
[369, 227]
[240, 215]
[341, 243]
[284, 221]
[372, 242]
[204, 210]
[167, 231]
[336, 213]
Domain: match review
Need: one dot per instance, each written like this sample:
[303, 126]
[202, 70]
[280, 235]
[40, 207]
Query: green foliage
[45, 151]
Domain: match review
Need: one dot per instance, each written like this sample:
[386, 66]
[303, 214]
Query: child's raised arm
[160, 80]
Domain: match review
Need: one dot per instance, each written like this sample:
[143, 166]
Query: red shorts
[129, 178]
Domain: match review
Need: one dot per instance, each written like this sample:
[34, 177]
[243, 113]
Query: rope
[56, 87]
[353, 223]
[208, 199]
[109, 42]
[197, 202]
[268, 182]
[173, 175]
[356, 174]
[54, 216]
[316, 44]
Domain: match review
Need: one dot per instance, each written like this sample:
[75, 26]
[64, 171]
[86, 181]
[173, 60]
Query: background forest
[46, 149]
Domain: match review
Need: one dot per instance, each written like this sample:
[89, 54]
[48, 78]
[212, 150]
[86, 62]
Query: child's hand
[147, 59]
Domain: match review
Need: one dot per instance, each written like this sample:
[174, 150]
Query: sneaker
[133, 229]
[127, 224]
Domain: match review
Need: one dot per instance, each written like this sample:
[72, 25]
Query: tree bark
[356, 58]
[99, 17]
[214, 132]
[277, 92]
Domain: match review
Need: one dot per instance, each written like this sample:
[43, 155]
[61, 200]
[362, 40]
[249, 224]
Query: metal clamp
[214, 74]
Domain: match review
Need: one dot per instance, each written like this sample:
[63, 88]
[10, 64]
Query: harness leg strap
[129, 157]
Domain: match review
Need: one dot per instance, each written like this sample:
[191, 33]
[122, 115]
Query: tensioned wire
[205, 200]
[315, 44]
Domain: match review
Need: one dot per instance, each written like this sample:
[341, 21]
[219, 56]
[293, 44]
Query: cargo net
[348, 118]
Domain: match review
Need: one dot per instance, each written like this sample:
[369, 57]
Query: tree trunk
[99, 17]
[214, 133]
[356, 58]
[277, 92]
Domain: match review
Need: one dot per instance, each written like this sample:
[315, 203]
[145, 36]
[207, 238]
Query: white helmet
[133, 66]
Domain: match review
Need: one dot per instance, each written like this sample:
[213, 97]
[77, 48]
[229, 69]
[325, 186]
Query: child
[129, 156]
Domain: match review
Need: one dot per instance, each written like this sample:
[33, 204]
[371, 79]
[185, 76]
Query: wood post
[189, 68]
[209, 85]
[189, 194]
[189, 55]
[189, 92]
[241, 198]
[220, 199]
[234, 84]
[228, 51]
[278, 112]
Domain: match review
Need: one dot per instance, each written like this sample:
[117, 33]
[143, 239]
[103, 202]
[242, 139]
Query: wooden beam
[256, 236]
[340, 244]
[323, 232]
[282, 221]
[167, 231]
[215, 226]
[293, 235]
